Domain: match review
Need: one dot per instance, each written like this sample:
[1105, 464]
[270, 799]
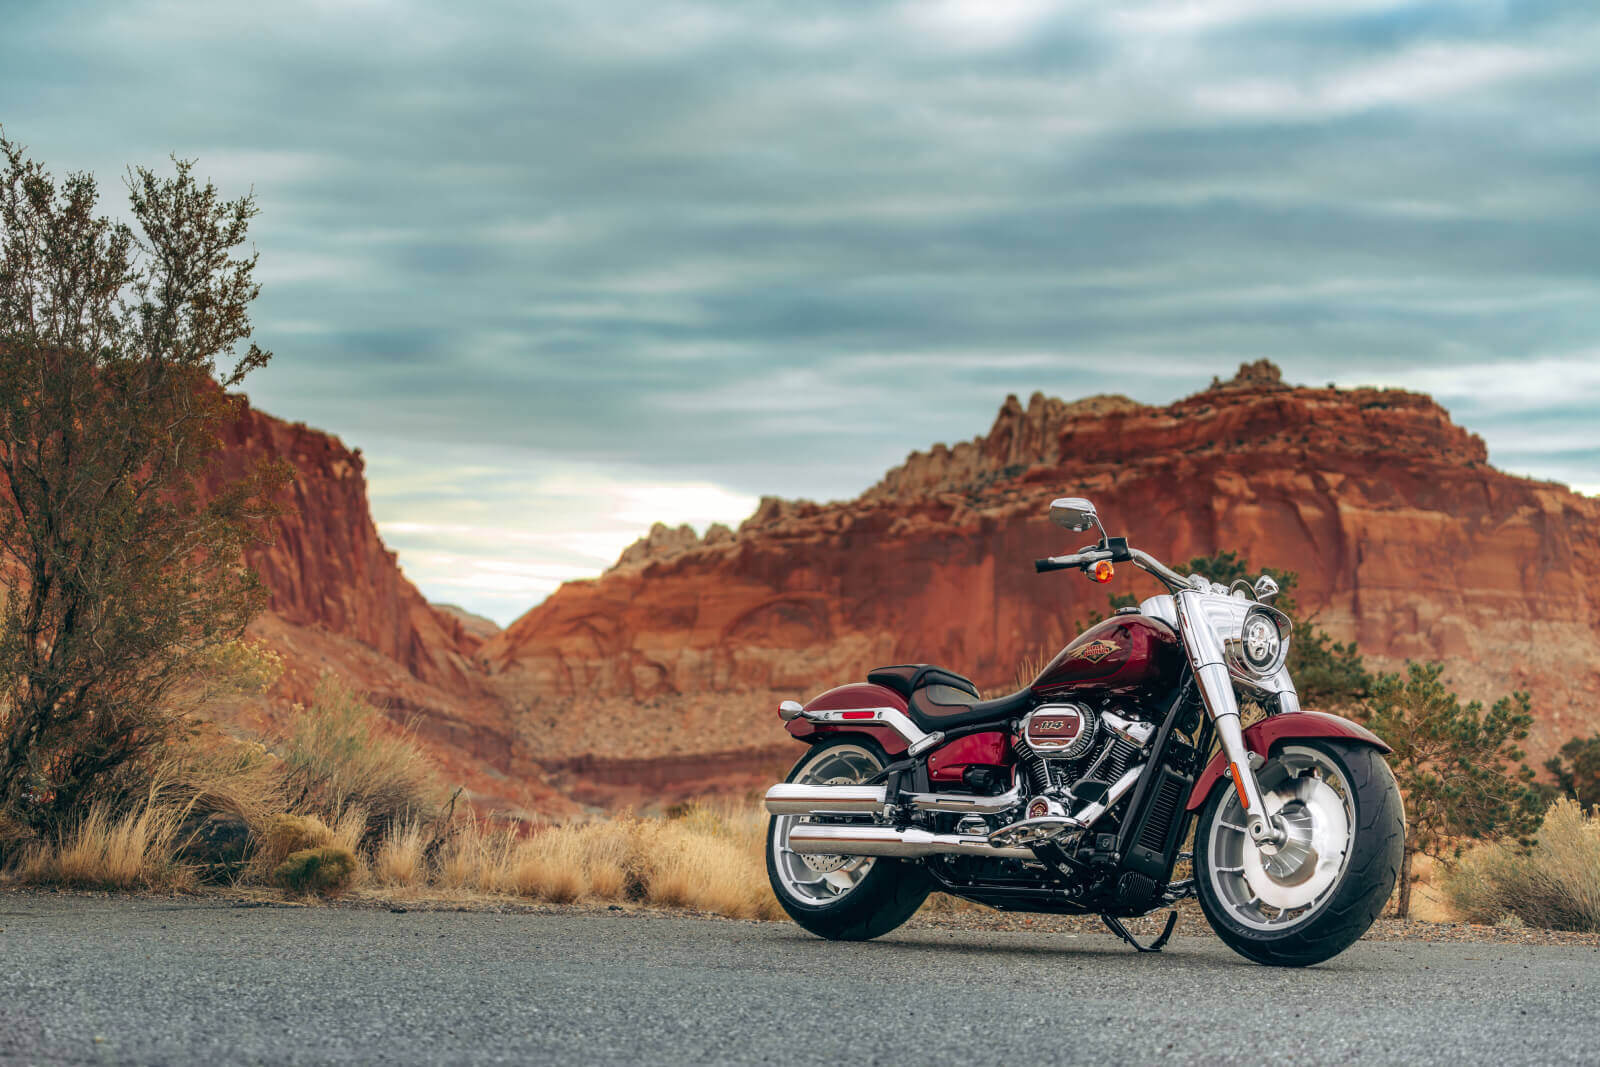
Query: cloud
[538, 260]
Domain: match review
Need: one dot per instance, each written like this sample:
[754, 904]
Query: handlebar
[1117, 550]
[1077, 559]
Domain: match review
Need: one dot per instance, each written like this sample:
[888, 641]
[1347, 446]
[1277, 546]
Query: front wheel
[1312, 897]
[841, 898]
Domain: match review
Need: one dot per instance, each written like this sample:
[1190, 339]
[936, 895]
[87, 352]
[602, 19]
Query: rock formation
[340, 604]
[1403, 536]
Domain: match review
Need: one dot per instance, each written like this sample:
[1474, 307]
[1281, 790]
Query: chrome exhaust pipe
[793, 798]
[910, 843]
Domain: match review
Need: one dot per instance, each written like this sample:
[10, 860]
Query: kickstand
[1114, 924]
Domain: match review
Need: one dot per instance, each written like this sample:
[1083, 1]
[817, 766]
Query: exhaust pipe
[887, 841]
[789, 798]
[792, 798]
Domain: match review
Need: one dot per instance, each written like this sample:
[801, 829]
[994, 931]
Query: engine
[1071, 753]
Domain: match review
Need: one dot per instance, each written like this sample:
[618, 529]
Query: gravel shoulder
[96, 979]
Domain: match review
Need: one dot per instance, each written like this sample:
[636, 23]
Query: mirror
[1266, 589]
[1074, 513]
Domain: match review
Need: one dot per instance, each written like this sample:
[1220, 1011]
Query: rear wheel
[842, 898]
[1312, 897]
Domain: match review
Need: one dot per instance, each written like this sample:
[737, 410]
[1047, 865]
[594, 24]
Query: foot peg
[1036, 831]
[1114, 924]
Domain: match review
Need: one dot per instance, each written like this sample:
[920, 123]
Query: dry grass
[134, 850]
[401, 858]
[1556, 885]
[1029, 668]
[708, 858]
[476, 856]
[220, 774]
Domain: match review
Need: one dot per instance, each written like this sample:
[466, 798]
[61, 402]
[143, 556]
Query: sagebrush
[1554, 884]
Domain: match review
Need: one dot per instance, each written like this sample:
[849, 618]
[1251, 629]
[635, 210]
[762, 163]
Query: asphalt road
[88, 980]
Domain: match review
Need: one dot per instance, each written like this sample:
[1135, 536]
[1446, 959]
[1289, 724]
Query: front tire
[841, 898]
[1314, 897]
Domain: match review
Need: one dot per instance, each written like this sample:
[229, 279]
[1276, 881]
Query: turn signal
[1103, 571]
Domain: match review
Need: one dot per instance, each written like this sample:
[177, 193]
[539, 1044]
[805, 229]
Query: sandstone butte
[661, 677]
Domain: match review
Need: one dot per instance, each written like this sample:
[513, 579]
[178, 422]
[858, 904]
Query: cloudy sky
[562, 269]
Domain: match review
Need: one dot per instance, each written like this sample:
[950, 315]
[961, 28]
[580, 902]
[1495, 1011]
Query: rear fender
[1262, 737]
[855, 695]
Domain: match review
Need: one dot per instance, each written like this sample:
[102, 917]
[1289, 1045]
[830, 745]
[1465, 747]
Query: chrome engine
[1070, 752]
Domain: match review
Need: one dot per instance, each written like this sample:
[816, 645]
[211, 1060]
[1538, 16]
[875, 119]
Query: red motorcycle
[1077, 793]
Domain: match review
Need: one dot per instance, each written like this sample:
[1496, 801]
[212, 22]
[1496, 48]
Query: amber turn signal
[1103, 571]
[1238, 783]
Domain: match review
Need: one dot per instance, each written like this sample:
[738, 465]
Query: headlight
[1263, 642]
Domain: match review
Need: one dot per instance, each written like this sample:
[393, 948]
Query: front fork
[1216, 690]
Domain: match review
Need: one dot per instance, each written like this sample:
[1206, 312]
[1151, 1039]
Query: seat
[944, 707]
[907, 678]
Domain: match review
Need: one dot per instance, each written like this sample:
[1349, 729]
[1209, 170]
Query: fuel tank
[1128, 656]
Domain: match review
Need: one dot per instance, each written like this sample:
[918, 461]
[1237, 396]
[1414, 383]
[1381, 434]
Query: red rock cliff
[1404, 538]
[340, 604]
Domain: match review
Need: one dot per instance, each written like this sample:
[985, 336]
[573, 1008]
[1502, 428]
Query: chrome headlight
[1262, 643]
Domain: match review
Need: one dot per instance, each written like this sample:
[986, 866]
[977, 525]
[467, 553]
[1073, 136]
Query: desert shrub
[220, 775]
[106, 850]
[1576, 770]
[15, 837]
[1555, 884]
[121, 349]
[341, 753]
[316, 870]
[281, 835]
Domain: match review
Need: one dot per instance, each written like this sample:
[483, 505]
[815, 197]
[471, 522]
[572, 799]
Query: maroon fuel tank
[1126, 656]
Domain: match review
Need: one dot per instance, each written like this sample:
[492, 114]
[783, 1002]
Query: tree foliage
[120, 541]
[1458, 765]
[1576, 770]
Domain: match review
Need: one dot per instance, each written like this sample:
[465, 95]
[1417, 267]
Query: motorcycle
[1077, 793]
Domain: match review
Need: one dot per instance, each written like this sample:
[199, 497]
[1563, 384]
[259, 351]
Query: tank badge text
[1094, 651]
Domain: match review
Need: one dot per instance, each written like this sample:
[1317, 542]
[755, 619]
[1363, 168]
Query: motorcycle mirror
[1266, 589]
[1074, 513]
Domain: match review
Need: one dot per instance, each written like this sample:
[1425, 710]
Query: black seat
[907, 678]
[944, 707]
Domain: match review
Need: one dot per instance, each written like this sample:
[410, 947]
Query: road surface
[94, 980]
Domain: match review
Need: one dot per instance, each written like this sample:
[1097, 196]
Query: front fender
[1261, 737]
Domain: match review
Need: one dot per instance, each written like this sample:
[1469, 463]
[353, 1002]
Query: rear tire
[1336, 916]
[889, 891]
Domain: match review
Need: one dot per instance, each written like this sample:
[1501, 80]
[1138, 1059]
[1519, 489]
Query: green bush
[316, 870]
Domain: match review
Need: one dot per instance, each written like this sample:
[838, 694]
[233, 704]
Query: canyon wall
[340, 605]
[1403, 536]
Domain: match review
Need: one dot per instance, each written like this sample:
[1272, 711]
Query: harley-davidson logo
[1094, 651]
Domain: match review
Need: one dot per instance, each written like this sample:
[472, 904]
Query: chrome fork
[1216, 690]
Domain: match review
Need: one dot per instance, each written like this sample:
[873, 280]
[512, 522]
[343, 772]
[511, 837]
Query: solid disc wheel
[842, 898]
[1311, 897]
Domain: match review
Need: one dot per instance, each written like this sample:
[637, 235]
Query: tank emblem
[1094, 651]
